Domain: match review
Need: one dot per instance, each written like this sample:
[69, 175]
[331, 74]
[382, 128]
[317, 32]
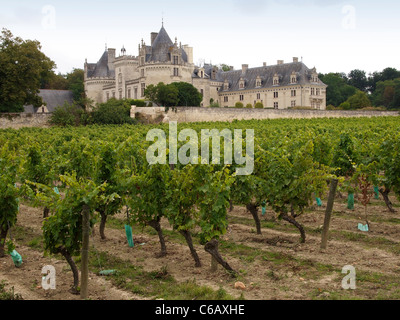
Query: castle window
[136, 93]
[276, 94]
[108, 96]
[241, 97]
[293, 93]
[258, 96]
[317, 93]
[142, 73]
[293, 104]
[202, 92]
[120, 78]
[129, 93]
[226, 99]
[143, 88]
[176, 60]
[176, 72]
[276, 105]
[113, 94]
[294, 80]
[120, 95]
[313, 91]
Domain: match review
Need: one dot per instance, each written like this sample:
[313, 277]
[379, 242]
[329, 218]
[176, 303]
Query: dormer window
[226, 85]
[242, 83]
[258, 82]
[276, 80]
[293, 78]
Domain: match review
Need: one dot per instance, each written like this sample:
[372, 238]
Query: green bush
[345, 106]
[113, 112]
[249, 106]
[215, 105]
[330, 107]
[70, 115]
[239, 105]
[259, 105]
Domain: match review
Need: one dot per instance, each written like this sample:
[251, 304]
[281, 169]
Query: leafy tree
[22, 66]
[359, 100]
[188, 95]
[162, 94]
[259, 105]
[338, 90]
[358, 78]
[75, 81]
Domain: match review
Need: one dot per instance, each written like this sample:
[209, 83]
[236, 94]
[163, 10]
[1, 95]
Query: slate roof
[53, 99]
[161, 49]
[100, 69]
[266, 74]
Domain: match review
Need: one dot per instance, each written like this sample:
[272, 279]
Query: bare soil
[273, 266]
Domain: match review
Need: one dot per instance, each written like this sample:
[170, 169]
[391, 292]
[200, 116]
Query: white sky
[332, 35]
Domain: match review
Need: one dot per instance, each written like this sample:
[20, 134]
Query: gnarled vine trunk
[103, 225]
[293, 221]
[74, 269]
[189, 241]
[254, 212]
[212, 248]
[3, 236]
[385, 194]
[157, 226]
[46, 212]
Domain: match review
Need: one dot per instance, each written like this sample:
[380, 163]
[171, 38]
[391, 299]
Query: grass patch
[8, 294]
[157, 284]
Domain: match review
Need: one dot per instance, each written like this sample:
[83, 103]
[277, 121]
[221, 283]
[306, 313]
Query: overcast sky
[332, 35]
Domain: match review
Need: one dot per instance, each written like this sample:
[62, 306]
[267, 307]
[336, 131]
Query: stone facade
[193, 114]
[279, 86]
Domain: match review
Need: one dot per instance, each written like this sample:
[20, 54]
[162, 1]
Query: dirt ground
[273, 266]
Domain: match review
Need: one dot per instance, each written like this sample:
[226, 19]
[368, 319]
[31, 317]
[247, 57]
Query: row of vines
[104, 170]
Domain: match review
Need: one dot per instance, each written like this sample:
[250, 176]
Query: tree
[358, 78]
[188, 95]
[359, 100]
[22, 66]
[75, 81]
[162, 94]
[338, 90]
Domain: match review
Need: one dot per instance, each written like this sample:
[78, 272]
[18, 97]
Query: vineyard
[193, 231]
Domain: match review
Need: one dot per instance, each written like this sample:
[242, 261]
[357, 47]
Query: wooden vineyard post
[85, 253]
[328, 214]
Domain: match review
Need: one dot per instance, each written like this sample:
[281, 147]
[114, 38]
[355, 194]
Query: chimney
[264, 64]
[244, 68]
[280, 62]
[111, 58]
[295, 59]
[153, 37]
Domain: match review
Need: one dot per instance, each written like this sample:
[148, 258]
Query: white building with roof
[279, 86]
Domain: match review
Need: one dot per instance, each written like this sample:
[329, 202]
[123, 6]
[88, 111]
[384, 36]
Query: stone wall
[187, 114]
[21, 120]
